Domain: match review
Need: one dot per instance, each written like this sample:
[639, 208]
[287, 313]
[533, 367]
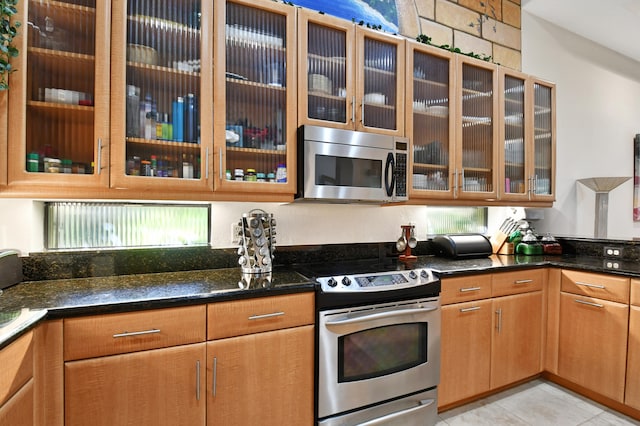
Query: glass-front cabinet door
[430, 120]
[475, 174]
[255, 103]
[514, 136]
[326, 70]
[380, 90]
[59, 119]
[161, 95]
[348, 75]
[543, 158]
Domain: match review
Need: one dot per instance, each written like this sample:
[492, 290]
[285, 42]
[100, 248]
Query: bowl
[142, 54]
[375, 98]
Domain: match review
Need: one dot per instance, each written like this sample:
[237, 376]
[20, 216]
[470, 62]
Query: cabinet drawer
[506, 283]
[16, 366]
[607, 287]
[635, 292]
[89, 337]
[463, 289]
[235, 318]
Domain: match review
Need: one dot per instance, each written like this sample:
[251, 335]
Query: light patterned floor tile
[537, 402]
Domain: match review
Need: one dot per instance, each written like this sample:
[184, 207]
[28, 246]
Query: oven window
[380, 351]
[348, 171]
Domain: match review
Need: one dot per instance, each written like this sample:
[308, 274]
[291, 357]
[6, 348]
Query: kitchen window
[454, 220]
[80, 225]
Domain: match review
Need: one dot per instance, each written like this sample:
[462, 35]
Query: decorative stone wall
[462, 24]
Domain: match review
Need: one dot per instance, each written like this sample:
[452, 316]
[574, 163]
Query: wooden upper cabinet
[350, 77]
[161, 112]
[476, 156]
[255, 97]
[542, 161]
[430, 120]
[59, 115]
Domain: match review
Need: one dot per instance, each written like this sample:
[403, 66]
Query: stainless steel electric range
[378, 344]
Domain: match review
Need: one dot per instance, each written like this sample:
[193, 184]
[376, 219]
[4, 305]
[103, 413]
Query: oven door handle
[380, 315]
[424, 404]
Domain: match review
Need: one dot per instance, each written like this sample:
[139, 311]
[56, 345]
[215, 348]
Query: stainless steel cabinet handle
[271, 315]
[472, 308]
[219, 165]
[522, 281]
[380, 315]
[600, 286]
[99, 159]
[499, 323]
[424, 404]
[462, 290]
[353, 109]
[585, 302]
[198, 380]
[136, 333]
[215, 376]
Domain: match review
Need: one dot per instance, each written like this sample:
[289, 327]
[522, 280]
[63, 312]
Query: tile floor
[538, 402]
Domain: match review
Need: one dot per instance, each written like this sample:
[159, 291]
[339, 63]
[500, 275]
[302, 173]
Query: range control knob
[424, 274]
[413, 275]
[332, 282]
[346, 281]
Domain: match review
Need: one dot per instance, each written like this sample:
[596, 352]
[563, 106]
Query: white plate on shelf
[439, 110]
[375, 98]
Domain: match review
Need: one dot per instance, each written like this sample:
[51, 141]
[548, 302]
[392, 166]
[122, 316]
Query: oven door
[371, 354]
[347, 172]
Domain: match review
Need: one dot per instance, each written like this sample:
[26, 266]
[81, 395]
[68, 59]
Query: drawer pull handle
[472, 308]
[463, 290]
[499, 321]
[522, 281]
[263, 316]
[601, 287]
[584, 302]
[136, 333]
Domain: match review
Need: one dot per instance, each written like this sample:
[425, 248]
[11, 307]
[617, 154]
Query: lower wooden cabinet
[493, 341]
[516, 344]
[261, 379]
[632, 392]
[592, 348]
[154, 387]
[16, 382]
[465, 351]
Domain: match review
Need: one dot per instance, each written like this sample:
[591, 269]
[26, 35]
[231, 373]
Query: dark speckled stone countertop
[25, 304]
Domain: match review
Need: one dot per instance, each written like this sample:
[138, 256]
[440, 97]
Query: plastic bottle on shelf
[178, 119]
[190, 126]
[133, 111]
[281, 173]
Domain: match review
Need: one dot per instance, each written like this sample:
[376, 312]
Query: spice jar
[250, 176]
[52, 165]
[238, 174]
[33, 160]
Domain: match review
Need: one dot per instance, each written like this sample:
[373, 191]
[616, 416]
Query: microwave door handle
[380, 315]
[390, 164]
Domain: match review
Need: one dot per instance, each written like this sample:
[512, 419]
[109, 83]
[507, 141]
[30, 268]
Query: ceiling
[612, 23]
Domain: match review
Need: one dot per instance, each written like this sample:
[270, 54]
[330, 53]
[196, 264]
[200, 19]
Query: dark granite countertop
[23, 305]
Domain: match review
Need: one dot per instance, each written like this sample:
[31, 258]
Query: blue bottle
[178, 119]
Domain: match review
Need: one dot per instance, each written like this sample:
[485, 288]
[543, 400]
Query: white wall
[598, 114]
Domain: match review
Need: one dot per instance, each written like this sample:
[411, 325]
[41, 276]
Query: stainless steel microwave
[338, 165]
